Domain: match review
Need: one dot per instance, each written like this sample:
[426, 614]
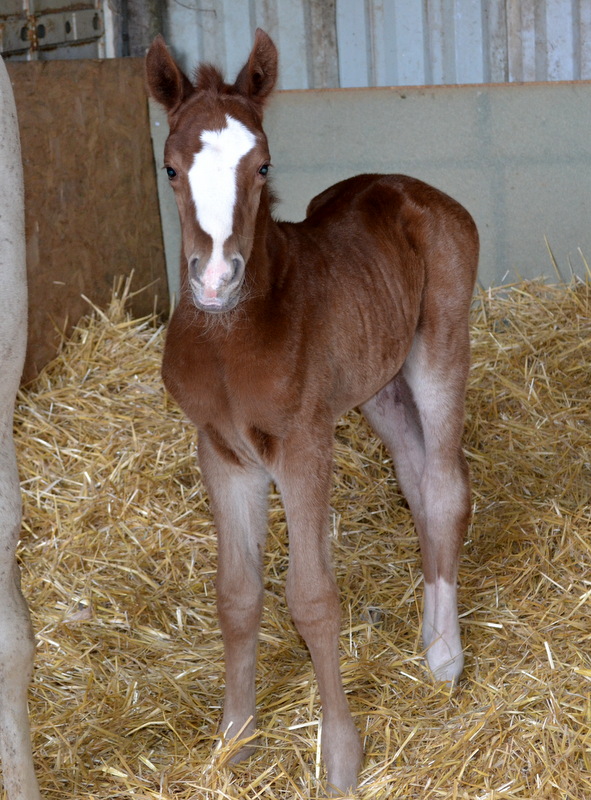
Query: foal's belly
[366, 361]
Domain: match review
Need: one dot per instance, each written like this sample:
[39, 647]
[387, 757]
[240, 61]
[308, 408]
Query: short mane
[208, 77]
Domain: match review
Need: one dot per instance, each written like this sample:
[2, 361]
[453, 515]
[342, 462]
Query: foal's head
[217, 159]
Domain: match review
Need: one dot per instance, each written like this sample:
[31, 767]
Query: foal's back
[378, 258]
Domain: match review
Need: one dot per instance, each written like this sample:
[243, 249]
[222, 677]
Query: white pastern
[441, 631]
[212, 179]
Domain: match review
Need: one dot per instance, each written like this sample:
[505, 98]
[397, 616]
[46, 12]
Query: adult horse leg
[239, 496]
[16, 637]
[419, 416]
[304, 478]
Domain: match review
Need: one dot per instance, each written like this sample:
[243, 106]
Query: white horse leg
[16, 636]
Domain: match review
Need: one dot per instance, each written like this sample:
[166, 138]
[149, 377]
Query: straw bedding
[118, 561]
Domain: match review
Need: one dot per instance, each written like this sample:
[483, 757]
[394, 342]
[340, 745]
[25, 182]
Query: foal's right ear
[167, 83]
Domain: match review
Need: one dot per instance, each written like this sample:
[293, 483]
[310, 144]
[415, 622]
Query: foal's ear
[167, 83]
[258, 76]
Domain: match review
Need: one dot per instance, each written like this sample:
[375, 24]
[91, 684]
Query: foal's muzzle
[215, 285]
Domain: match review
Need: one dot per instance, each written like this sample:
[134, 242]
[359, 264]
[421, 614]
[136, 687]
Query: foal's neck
[268, 260]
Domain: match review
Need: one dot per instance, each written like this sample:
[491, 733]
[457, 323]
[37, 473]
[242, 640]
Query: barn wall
[361, 43]
[435, 42]
[218, 30]
[517, 156]
[90, 192]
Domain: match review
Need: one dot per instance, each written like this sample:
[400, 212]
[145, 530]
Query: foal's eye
[264, 170]
[171, 173]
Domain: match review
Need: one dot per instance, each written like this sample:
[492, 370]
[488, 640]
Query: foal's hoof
[445, 667]
[343, 763]
[238, 744]
[332, 791]
[348, 794]
[244, 751]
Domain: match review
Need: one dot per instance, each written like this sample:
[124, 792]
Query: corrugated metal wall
[221, 31]
[385, 43]
[347, 43]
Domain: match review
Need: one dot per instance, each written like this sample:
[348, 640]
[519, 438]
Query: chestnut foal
[280, 329]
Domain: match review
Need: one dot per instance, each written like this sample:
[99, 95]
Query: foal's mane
[255, 81]
[208, 80]
[207, 77]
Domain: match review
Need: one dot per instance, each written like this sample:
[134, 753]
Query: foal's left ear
[258, 76]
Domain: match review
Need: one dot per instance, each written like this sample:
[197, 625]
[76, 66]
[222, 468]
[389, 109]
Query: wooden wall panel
[90, 192]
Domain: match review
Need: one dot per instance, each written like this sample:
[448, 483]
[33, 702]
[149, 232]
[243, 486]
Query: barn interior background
[455, 113]
[491, 101]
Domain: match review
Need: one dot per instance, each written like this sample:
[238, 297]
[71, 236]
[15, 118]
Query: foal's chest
[230, 388]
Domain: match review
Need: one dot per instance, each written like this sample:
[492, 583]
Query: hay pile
[118, 558]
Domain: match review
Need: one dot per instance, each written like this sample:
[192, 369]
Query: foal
[279, 330]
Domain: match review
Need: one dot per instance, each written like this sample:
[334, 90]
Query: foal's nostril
[194, 268]
[237, 265]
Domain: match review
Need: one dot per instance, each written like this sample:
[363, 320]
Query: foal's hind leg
[238, 495]
[438, 384]
[419, 416]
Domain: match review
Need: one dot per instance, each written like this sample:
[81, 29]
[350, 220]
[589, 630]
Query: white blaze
[212, 179]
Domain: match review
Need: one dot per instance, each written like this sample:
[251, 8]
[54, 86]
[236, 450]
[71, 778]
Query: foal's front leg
[304, 478]
[239, 496]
